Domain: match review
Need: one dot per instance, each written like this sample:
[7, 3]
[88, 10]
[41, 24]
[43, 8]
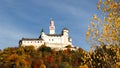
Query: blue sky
[26, 18]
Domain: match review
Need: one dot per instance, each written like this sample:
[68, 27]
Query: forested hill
[45, 57]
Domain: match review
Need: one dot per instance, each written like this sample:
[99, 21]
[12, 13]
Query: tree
[105, 56]
[53, 51]
[55, 66]
[44, 48]
[38, 63]
[105, 32]
[50, 59]
[106, 29]
[20, 51]
[29, 50]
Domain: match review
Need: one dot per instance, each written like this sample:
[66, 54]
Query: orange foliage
[53, 51]
[50, 59]
[55, 66]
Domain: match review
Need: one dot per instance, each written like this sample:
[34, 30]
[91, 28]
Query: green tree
[44, 48]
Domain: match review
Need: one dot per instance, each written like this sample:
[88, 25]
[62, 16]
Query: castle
[53, 40]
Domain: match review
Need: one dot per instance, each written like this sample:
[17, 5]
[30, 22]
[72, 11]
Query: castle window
[52, 39]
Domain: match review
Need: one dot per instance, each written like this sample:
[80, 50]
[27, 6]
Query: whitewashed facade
[53, 40]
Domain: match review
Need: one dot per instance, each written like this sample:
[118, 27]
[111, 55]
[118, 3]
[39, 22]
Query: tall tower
[52, 27]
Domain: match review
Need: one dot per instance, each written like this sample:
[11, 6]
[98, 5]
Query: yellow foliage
[42, 66]
[109, 28]
[84, 66]
[98, 7]
[95, 17]
[87, 35]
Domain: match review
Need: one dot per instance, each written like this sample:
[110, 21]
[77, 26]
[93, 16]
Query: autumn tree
[105, 29]
[38, 63]
[0, 51]
[20, 51]
[105, 56]
[55, 66]
[30, 50]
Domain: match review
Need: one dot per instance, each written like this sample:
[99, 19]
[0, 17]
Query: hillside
[45, 57]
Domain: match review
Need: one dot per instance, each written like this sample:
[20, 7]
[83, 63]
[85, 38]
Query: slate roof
[65, 29]
[32, 39]
[54, 34]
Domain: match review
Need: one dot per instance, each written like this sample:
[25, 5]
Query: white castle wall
[35, 43]
[52, 40]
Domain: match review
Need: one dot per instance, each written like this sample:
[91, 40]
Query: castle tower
[52, 27]
[65, 32]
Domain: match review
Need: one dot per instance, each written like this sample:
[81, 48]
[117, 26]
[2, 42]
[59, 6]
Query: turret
[65, 31]
[42, 33]
[52, 27]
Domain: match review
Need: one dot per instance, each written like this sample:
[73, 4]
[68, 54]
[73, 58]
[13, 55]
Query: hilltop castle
[53, 40]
